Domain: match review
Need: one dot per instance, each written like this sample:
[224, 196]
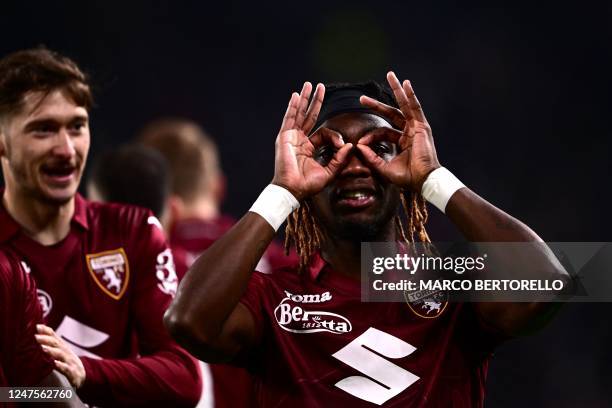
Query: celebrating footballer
[348, 159]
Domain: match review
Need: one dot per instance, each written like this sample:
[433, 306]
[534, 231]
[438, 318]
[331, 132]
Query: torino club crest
[111, 271]
[427, 304]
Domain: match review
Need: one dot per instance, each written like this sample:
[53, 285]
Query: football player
[194, 221]
[194, 218]
[104, 272]
[344, 167]
[131, 174]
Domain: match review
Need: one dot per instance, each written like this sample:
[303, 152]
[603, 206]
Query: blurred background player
[194, 221]
[131, 174]
[137, 175]
[22, 360]
[105, 271]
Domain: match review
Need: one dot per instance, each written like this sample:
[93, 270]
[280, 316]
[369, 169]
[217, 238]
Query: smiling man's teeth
[356, 194]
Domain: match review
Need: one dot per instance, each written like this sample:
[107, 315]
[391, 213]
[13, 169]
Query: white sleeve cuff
[439, 187]
[274, 204]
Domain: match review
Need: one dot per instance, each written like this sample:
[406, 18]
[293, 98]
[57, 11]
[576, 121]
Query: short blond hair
[191, 154]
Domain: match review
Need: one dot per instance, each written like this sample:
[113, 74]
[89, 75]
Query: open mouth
[58, 173]
[355, 198]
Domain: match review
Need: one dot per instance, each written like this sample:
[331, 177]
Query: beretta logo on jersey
[292, 316]
[110, 270]
[427, 304]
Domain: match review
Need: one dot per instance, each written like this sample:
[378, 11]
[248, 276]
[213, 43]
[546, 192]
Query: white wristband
[275, 204]
[439, 187]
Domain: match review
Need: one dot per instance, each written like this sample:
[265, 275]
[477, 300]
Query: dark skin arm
[206, 317]
[480, 221]
[476, 218]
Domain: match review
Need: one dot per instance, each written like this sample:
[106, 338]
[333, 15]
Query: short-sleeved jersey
[22, 361]
[319, 345]
[104, 289]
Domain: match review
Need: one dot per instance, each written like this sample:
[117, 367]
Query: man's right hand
[296, 167]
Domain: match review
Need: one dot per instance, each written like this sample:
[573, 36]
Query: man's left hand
[417, 153]
[66, 361]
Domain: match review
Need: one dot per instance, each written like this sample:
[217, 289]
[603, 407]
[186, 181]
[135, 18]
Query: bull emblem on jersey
[111, 271]
[431, 306]
[427, 304]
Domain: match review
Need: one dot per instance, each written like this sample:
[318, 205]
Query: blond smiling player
[104, 272]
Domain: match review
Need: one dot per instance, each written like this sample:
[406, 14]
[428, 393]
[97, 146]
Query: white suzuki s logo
[292, 317]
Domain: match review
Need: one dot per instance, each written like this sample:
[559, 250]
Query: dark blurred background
[518, 98]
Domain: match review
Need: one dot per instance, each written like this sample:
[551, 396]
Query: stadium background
[518, 98]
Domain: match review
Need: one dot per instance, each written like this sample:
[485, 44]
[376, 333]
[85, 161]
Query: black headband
[342, 101]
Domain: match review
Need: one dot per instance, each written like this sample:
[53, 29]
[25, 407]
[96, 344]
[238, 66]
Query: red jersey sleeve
[253, 299]
[181, 262]
[164, 372]
[23, 360]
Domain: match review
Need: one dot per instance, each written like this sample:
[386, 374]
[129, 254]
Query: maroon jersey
[182, 261]
[319, 345]
[22, 361]
[104, 289]
[195, 235]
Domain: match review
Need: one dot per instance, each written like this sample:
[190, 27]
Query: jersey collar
[80, 211]
[317, 263]
[10, 227]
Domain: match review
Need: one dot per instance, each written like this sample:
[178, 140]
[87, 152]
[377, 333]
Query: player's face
[357, 204]
[45, 147]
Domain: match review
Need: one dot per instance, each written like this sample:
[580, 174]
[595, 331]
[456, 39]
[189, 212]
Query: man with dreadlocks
[303, 331]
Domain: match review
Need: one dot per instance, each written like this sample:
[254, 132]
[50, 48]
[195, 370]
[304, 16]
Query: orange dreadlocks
[304, 233]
